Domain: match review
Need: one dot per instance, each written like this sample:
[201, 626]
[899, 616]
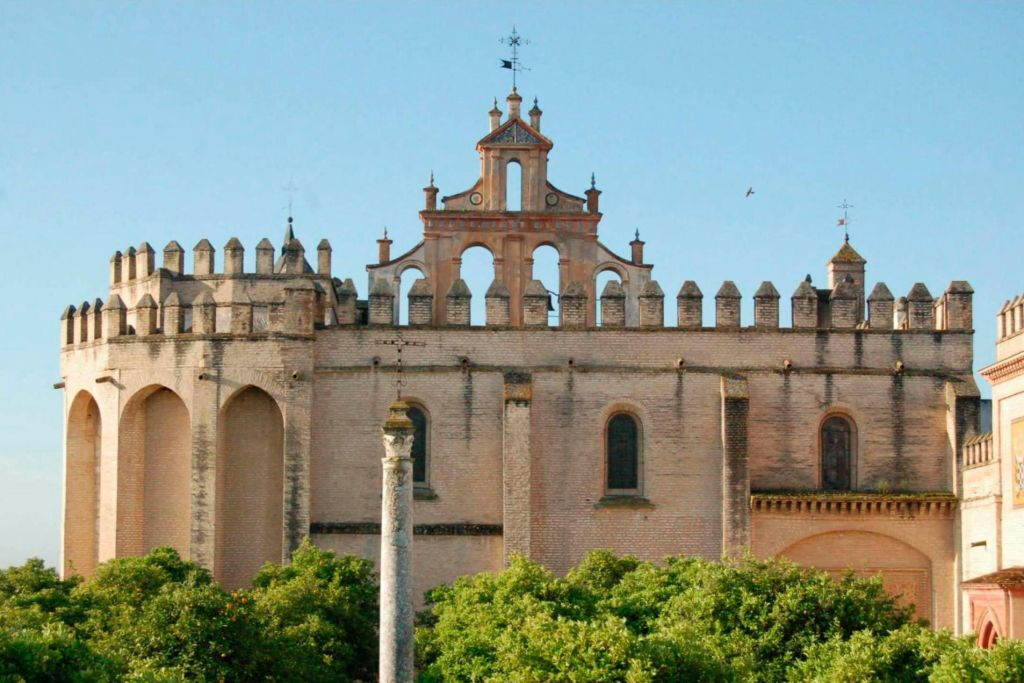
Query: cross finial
[514, 40]
[385, 232]
[290, 189]
[845, 220]
[593, 185]
[431, 177]
[637, 235]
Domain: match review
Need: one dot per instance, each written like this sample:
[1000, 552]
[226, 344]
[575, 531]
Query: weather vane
[290, 189]
[844, 222]
[514, 40]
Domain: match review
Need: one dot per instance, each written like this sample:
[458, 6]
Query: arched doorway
[250, 485]
[81, 496]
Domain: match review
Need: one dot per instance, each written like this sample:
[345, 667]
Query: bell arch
[154, 473]
[250, 486]
[83, 439]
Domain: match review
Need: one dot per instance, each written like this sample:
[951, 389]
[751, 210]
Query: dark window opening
[623, 453]
[836, 454]
[419, 445]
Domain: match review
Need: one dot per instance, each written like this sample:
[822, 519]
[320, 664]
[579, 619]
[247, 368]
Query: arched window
[513, 186]
[420, 444]
[623, 454]
[837, 454]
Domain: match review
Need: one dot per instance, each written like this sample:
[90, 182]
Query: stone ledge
[853, 504]
[423, 493]
[624, 502]
[373, 529]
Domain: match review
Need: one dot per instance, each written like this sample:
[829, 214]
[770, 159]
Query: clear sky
[123, 121]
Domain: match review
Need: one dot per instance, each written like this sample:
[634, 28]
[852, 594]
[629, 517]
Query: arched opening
[837, 453]
[513, 186]
[405, 280]
[988, 636]
[477, 270]
[545, 269]
[600, 282]
[420, 445]
[81, 495]
[622, 452]
[154, 473]
[250, 486]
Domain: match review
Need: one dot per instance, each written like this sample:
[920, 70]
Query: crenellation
[457, 303]
[727, 305]
[805, 305]
[652, 305]
[116, 261]
[145, 315]
[174, 258]
[381, 303]
[128, 269]
[145, 260]
[173, 319]
[96, 320]
[880, 308]
[299, 304]
[234, 257]
[899, 315]
[920, 308]
[690, 306]
[346, 294]
[958, 306]
[202, 258]
[115, 317]
[264, 257]
[241, 314]
[497, 305]
[82, 317]
[843, 304]
[613, 305]
[294, 258]
[573, 306]
[766, 306]
[323, 258]
[67, 326]
[204, 313]
[535, 304]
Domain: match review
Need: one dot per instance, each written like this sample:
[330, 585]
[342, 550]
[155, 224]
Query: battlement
[1010, 318]
[978, 450]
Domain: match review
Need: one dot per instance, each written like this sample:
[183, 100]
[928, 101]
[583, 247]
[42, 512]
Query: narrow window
[836, 454]
[513, 186]
[623, 453]
[419, 445]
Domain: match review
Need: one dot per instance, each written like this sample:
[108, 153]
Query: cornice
[1004, 369]
[817, 504]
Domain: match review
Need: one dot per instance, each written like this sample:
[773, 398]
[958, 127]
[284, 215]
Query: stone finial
[128, 271]
[115, 317]
[67, 326]
[174, 258]
[145, 315]
[593, 197]
[323, 257]
[497, 304]
[382, 303]
[535, 114]
[613, 305]
[959, 307]
[880, 305]
[514, 100]
[689, 306]
[652, 305]
[396, 596]
[421, 302]
[727, 305]
[843, 304]
[173, 319]
[145, 260]
[202, 255]
[457, 302]
[572, 306]
[920, 308]
[384, 248]
[637, 249]
[495, 115]
[234, 256]
[264, 257]
[766, 306]
[204, 313]
[536, 303]
[116, 261]
[346, 295]
[805, 306]
[430, 193]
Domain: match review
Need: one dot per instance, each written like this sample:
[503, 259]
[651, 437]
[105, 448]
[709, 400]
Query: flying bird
[750, 191]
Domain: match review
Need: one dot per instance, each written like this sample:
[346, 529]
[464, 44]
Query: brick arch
[905, 570]
[643, 424]
[154, 472]
[988, 629]
[249, 499]
[616, 268]
[82, 455]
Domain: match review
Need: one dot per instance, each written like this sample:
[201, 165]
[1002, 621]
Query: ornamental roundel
[476, 199]
[551, 199]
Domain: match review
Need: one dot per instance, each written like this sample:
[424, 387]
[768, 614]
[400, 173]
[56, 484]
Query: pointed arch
[154, 473]
[82, 451]
[250, 486]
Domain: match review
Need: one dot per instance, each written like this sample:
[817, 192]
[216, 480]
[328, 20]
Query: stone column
[735, 476]
[396, 608]
[516, 464]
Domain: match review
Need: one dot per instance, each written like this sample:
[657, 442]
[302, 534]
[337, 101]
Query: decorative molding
[516, 135]
[373, 529]
[906, 505]
[1004, 370]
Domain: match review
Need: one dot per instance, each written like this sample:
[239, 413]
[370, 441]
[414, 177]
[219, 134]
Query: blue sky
[124, 122]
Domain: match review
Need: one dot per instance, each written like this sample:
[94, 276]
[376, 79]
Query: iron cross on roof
[400, 344]
[845, 220]
[514, 40]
